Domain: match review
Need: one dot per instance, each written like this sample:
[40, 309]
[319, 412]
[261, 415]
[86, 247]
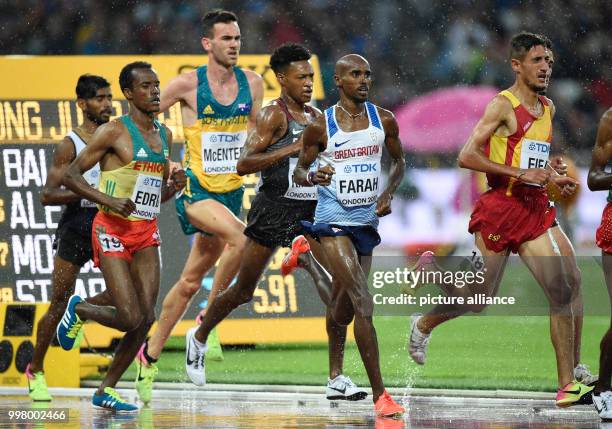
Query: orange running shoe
[299, 245]
[385, 406]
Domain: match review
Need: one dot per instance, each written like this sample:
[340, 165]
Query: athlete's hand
[324, 175]
[559, 165]
[567, 184]
[123, 206]
[535, 176]
[383, 204]
[178, 179]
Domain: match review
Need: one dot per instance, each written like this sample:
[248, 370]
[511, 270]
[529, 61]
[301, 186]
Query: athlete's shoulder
[500, 105]
[252, 77]
[183, 82]
[271, 115]
[383, 113]
[315, 111]
[111, 129]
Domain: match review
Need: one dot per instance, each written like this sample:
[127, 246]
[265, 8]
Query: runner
[219, 104]
[276, 212]
[511, 143]
[73, 235]
[348, 142]
[600, 179]
[133, 151]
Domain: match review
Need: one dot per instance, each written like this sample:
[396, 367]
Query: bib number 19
[110, 243]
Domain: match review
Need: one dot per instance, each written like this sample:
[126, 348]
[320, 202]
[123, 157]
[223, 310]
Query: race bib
[534, 154]
[357, 183]
[147, 196]
[110, 243]
[93, 178]
[298, 192]
[220, 151]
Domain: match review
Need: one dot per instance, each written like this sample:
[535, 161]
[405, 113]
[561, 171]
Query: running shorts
[364, 237]
[121, 238]
[72, 246]
[194, 192]
[506, 222]
[275, 224]
[603, 237]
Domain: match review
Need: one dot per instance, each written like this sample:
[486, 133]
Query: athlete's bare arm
[271, 126]
[497, 118]
[177, 176]
[598, 179]
[398, 164]
[106, 140]
[177, 90]
[257, 93]
[53, 193]
[314, 140]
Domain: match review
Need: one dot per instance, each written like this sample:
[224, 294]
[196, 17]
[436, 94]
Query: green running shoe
[37, 385]
[145, 374]
[214, 352]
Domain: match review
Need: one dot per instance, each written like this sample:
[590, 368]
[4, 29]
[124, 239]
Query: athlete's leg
[348, 274]
[213, 217]
[566, 249]
[202, 257]
[495, 264]
[314, 263]
[144, 272]
[559, 277]
[64, 277]
[605, 357]
[125, 314]
[252, 265]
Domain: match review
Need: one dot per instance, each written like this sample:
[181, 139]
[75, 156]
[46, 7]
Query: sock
[145, 353]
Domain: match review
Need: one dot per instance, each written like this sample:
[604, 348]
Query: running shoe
[194, 358]
[299, 245]
[583, 375]
[213, 347]
[574, 393]
[417, 345]
[70, 325]
[145, 374]
[385, 406]
[603, 404]
[342, 388]
[37, 385]
[110, 400]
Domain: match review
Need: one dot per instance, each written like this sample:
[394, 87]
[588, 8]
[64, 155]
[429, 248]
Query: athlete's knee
[129, 319]
[188, 286]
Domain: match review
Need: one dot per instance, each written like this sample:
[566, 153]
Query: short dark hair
[126, 78]
[215, 16]
[286, 54]
[521, 43]
[89, 84]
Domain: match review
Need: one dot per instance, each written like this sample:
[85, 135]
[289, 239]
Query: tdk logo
[539, 147]
[225, 138]
[360, 168]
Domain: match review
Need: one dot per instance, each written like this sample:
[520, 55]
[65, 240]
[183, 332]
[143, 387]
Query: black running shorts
[274, 224]
[72, 246]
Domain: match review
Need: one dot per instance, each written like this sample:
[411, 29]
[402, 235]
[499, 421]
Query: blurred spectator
[414, 46]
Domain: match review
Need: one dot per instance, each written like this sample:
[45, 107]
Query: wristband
[521, 173]
[309, 177]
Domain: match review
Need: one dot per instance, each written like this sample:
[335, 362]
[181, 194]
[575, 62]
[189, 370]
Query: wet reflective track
[172, 408]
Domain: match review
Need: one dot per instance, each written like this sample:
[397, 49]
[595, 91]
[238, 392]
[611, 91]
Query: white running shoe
[583, 375]
[417, 345]
[194, 358]
[342, 388]
[603, 404]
